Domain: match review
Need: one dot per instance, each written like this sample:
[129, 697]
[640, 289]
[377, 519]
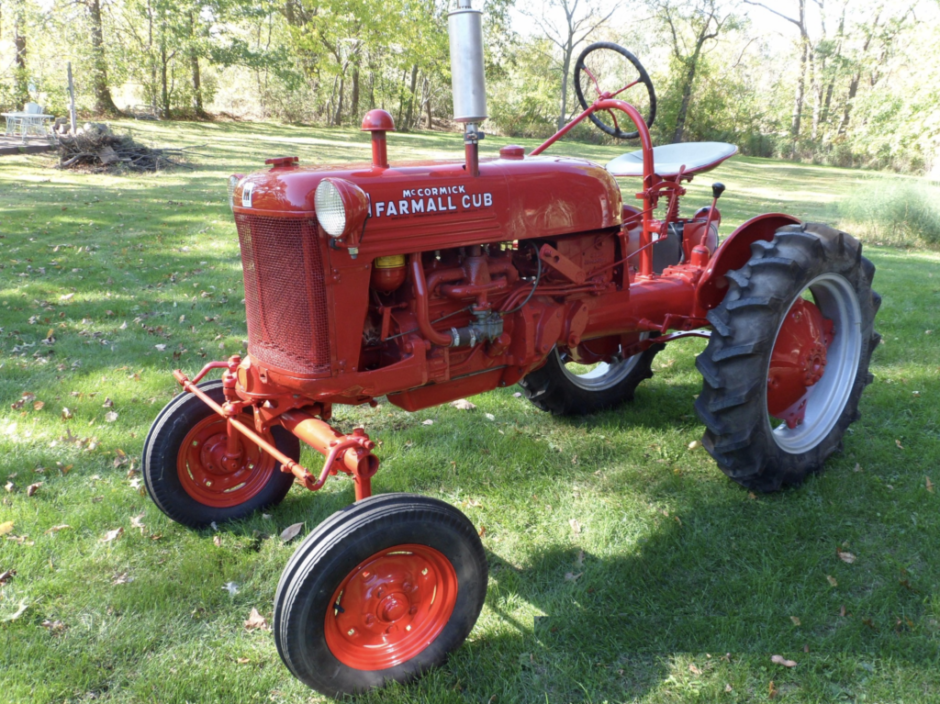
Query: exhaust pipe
[465, 29]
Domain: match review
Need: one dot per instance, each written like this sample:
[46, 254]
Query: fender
[734, 253]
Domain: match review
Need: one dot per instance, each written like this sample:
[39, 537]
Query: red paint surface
[391, 607]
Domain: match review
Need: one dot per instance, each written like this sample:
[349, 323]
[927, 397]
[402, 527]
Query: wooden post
[71, 100]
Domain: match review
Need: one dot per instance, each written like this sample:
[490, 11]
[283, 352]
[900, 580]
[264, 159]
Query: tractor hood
[431, 205]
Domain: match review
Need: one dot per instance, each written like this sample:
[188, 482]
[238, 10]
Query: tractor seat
[669, 158]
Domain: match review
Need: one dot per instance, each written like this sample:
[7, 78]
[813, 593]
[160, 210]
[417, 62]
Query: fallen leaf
[110, 416]
[694, 670]
[243, 661]
[858, 468]
[572, 577]
[780, 660]
[53, 626]
[842, 611]
[112, 535]
[122, 578]
[214, 526]
[518, 394]
[579, 560]
[575, 525]
[6, 527]
[33, 488]
[231, 588]
[135, 522]
[256, 620]
[66, 297]
[482, 531]
[66, 414]
[38, 405]
[728, 688]
[7, 576]
[161, 348]
[291, 532]
[898, 443]
[9, 486]
[56, 529]
[217, 540]
[751, 495]
[463, 404]
[929, 485]
[428, 422]
[832, 580]
[796, 620]
[771, 690]
[846, 557]
[490, 416]
[693, 445]
[108, 403]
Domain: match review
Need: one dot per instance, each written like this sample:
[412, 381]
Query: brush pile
[94, 147]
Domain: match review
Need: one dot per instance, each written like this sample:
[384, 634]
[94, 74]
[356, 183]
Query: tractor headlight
[331, 211]
[342, 207]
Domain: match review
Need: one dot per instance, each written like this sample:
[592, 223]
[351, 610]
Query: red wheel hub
[213, 476]
[798, 361]
[391, 607]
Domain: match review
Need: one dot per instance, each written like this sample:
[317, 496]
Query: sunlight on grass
[680, 584]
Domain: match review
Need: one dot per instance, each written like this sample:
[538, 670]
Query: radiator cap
[283, 161]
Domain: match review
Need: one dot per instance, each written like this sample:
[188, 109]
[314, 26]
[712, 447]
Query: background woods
[846, 82]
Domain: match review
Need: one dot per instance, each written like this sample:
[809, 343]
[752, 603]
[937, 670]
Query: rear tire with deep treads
[735, 365]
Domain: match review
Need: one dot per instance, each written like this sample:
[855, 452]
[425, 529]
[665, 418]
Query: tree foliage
[848, 82]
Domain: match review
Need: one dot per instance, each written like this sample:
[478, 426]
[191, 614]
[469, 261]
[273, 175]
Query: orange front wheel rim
[212, 476]
[391, 607]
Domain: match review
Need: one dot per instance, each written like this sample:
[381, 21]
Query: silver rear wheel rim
[837, 300]
[603, 376]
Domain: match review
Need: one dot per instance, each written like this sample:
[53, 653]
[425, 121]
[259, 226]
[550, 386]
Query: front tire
[184, 478]
[379, 592]
[788, 358]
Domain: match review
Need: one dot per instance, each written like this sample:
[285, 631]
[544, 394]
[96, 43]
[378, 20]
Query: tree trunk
[338, 116]
[104, 103]
[686, 97]
[164, 88]
[409, 122]
[194, 68]
[354, 100]
[565, 67]
[798, 99]
[20, 82]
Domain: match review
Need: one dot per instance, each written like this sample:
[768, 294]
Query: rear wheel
[581, 383]
[788, 359]
[190, 478]
[379, 592]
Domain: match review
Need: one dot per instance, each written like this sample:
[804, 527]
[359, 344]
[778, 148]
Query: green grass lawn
[685, 585]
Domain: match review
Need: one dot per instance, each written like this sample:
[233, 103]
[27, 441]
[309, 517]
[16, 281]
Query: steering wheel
[608, 70]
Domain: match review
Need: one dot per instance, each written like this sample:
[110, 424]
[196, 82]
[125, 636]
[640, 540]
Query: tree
[690, 26]
[567, 24]
[104, 103]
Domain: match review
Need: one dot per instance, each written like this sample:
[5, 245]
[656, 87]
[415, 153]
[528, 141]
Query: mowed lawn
[624, 566]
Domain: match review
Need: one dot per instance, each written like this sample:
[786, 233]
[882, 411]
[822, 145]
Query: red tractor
[428, 282]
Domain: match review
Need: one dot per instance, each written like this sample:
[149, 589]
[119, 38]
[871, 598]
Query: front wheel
[190, 477]
[788, 358]
[380, 592]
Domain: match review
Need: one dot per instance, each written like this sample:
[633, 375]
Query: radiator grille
[285, 295]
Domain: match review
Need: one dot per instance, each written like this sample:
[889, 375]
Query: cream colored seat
[696, 157]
